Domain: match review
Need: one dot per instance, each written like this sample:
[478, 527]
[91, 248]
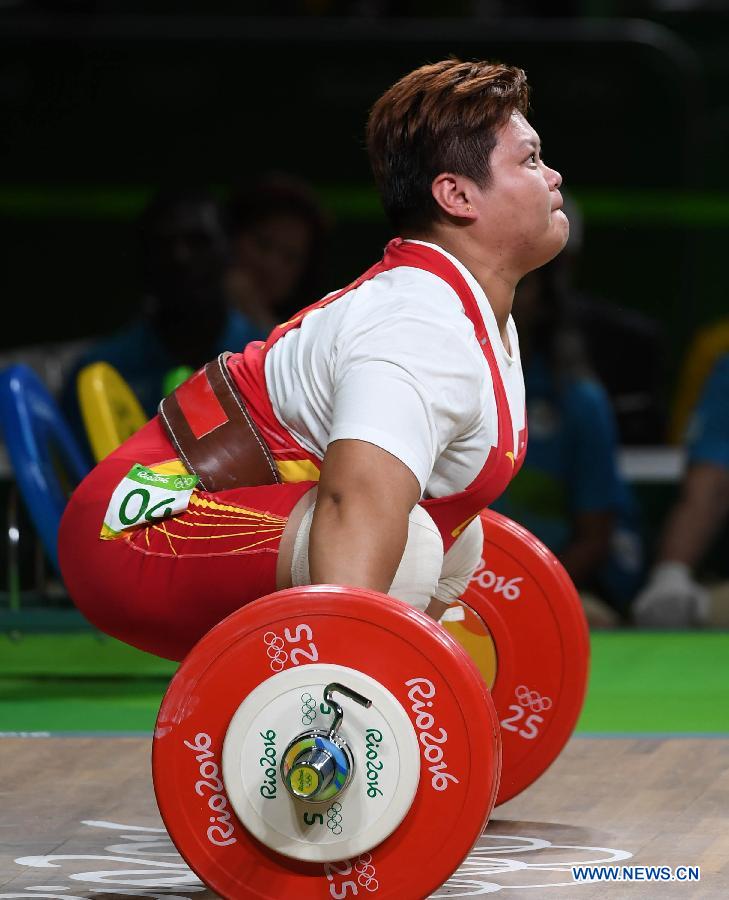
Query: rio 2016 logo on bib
[143, 497]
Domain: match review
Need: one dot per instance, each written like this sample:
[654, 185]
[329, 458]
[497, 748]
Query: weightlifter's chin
[545, 257]
[560, 220]
[559, 233]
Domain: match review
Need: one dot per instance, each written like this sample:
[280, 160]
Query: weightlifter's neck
[487, 266]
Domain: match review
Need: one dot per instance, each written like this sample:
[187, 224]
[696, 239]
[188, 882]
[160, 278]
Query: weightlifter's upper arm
[360, 524]
[359, 469]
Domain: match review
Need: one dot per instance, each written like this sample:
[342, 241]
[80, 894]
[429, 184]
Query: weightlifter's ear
[453, 193]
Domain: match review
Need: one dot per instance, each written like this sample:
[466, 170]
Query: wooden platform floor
[78, 820]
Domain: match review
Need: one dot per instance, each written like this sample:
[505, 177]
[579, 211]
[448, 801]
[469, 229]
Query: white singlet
[395, 362]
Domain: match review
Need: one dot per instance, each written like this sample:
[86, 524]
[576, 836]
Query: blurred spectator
[569, 492]
[634, 377]
[185, 318]
[673, 597]
[277, 229]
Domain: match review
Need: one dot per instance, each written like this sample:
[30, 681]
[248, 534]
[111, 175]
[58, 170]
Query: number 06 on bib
[143, 497]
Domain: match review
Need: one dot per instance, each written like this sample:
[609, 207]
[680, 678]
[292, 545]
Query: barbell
[327, 741]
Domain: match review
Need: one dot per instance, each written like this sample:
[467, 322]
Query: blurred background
[155, 163]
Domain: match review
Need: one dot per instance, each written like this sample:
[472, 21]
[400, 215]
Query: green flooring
[648, 682]
[639, 683]
[79, 704]
[79, 682]
[86, 654]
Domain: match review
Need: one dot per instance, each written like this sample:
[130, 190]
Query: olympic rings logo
[366, 872]
[334, 819]
[275, 651]
[532, 699]
[308, 709]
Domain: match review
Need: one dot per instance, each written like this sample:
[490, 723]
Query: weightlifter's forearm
[356, 540]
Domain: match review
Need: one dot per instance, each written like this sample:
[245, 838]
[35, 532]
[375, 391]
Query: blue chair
[46, 458]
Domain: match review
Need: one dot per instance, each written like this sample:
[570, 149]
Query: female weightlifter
[358, 444]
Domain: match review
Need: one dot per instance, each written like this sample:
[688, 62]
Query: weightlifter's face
[520, 211]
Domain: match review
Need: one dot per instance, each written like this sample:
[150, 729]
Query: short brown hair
[443, 117]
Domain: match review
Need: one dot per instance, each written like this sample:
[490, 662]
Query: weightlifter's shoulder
[412, 302]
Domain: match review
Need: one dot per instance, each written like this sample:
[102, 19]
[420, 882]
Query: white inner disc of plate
[382, 741]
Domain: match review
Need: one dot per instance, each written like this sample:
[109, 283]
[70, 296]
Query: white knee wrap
[460, 563]
[417, 575]
[300, 557]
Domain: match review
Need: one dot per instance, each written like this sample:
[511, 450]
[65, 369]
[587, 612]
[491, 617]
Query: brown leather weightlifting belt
[215, 437]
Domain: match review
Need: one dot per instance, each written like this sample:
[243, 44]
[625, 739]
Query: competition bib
[143, 497]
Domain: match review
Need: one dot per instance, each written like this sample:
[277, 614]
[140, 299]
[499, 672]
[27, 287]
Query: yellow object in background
[708, 345]
[110, 410]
